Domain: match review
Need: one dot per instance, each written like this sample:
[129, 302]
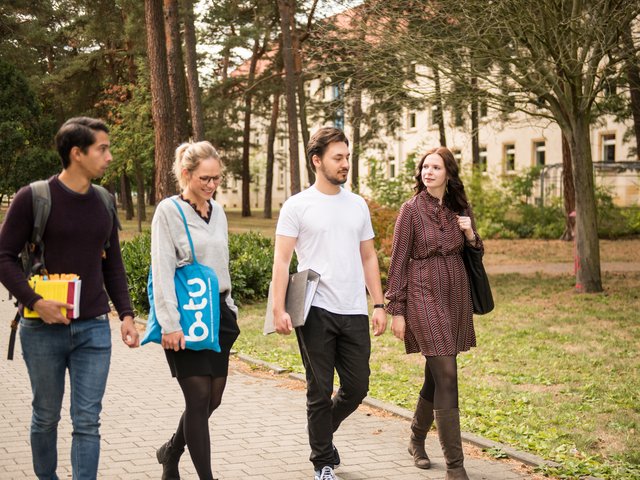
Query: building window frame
[608, 147]
[539, 148]
[509, 157]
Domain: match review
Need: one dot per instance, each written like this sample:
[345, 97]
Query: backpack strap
[41, 199]
[110, 205]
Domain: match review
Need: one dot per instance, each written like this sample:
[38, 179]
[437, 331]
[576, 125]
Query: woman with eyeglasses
[430, 299]
[202, 375]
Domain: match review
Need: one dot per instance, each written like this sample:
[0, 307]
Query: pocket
[31, 323]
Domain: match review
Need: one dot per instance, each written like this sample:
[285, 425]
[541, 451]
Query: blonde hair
[188, 157]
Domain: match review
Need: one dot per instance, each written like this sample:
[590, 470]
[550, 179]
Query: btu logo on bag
[197, 295]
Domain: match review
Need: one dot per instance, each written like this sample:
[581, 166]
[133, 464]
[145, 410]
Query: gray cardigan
[170, 250]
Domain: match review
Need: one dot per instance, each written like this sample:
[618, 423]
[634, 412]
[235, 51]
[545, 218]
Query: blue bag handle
[184, 220]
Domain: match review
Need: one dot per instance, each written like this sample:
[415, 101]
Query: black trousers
[331, 341]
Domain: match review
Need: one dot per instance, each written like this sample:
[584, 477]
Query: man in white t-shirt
[330, 230]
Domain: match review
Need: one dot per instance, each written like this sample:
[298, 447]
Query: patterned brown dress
[427, 281]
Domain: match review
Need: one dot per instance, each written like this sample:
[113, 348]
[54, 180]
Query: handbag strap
[186, 227]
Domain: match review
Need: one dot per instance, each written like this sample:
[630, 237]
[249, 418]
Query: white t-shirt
[329, 229]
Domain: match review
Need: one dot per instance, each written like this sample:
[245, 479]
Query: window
[411, 120]
[281, 141]
[509, 157]
[482, 165]
[435, 115]
[281, 178]
[392, 170]
[457, 155]
[609, 148]
[484, 109]
[458, 119]
[539, 153]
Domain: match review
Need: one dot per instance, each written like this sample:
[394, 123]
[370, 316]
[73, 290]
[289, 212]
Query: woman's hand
[174, 341]
[465, 225]
[398, 326]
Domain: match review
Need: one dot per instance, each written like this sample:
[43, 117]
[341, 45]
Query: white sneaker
[325, 474]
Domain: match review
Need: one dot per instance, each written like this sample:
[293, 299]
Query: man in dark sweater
[75, 237]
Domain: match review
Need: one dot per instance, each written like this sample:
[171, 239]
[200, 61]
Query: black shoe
[169, 457]
[336, 457]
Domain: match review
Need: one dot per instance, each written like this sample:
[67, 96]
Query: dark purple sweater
[74, 239]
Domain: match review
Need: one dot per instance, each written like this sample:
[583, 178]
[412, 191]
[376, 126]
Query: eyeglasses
[207, 180]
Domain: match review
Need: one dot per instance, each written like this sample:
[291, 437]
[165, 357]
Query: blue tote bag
[198, 298]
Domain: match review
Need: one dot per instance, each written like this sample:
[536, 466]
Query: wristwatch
[379, 305]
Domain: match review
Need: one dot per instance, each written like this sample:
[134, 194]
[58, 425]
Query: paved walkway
[258, 432]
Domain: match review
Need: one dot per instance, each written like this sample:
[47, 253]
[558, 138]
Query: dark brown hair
[454, 197]
[320, 140]
[77, 132]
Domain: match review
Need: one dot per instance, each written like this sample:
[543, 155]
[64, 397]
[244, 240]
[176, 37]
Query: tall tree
[632, 71]
[285, 7]
[195, 97]
[175, 66]
[163, 117]
[273, 130]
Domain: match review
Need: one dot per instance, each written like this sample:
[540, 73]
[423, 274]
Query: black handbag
[478, 281]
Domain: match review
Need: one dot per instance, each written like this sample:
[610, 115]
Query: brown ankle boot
[448, 424]
[420, 426]
[169, 457]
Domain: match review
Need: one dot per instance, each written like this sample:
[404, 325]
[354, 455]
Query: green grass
[554, 373]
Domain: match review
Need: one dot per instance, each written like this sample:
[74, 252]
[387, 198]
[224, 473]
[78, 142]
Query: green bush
[251, 261]
[136, 255]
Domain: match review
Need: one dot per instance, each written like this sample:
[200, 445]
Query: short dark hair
[320, 140]
[77, 132]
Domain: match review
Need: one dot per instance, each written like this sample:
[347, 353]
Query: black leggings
[441, 382]
[202, 395]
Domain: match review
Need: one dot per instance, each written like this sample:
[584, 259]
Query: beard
[334, 179]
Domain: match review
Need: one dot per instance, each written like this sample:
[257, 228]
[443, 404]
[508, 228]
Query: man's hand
[398, 326]
[49, 311]
[174, 341]
[379, 321]
[130, 335]
[282, 322]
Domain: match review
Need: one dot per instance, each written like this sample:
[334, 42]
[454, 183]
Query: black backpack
[32, 255]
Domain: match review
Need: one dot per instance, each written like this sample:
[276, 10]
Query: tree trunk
[175, 66]
[569, 192]
[588, 278]
[285, 7]
[195, 98]
[141, 212]
[439, 109]
[302, 96]
[475, 131]
[633, 78]
[160, 100]
[304, 127]
[246, 136]
[356, 123]
[273, 130]
[125, 194]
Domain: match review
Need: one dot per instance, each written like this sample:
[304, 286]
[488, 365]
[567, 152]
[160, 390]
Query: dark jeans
[333, 341]
[84, 348]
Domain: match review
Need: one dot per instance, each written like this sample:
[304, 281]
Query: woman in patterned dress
[430, 299]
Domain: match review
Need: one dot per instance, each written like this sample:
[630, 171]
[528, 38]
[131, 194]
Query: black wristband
[379, 305]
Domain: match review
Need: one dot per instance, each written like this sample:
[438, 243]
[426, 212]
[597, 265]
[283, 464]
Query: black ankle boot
[169, 457]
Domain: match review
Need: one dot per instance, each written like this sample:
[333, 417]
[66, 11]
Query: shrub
[251, 261]
[136, 255]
